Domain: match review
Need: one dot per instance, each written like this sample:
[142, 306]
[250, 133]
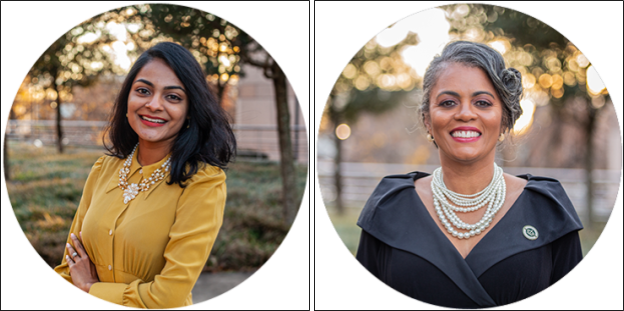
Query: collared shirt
[150, 252]
[535, 244]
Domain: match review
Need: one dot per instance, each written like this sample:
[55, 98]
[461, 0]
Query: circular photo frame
[150, 73]
[394, 115]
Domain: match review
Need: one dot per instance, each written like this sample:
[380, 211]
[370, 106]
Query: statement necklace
[493, 196]
[132, 190]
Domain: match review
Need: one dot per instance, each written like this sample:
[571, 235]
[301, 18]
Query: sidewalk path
[210, 285]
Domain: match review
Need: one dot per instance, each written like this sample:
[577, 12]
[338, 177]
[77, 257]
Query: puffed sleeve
[198, 218]
[368, 253]
[85, 201]
[377, 227]
[566, 254]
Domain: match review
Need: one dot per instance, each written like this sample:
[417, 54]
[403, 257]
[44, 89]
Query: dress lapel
[500, 242]
[395, 215]
[399, 220]
[443, 254]
[437, 249]
[543, 205]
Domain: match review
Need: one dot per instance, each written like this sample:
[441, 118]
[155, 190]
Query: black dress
[403, 246]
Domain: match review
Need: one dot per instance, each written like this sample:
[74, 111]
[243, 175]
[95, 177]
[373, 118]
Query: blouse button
[109, 267]
[110, 232]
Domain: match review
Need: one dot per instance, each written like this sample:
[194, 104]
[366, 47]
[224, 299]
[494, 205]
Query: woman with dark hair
[151, 208]
[469, 235]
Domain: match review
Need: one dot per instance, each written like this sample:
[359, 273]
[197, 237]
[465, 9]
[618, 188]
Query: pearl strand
[493, 195]
[464, 199]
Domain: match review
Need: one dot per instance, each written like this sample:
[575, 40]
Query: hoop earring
[430, 138]
[501, 137]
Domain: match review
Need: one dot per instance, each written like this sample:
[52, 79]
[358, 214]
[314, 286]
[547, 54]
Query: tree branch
[250, 61]
[267, 67]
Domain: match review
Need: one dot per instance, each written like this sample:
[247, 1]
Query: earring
[126, 115]
[501, 137]
[188, 125]
[430, 138]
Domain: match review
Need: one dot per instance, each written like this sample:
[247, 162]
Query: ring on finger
[74, 254]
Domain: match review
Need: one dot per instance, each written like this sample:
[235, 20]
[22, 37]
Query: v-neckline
[439, 231]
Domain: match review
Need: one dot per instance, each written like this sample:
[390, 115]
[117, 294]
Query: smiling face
[464, 114]
[157, 103]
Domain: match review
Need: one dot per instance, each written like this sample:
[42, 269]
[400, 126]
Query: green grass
[589, 235]
[46, 187]
[347, 228]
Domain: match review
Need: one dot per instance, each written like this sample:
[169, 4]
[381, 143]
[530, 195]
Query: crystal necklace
[132, 190]
[493, 196]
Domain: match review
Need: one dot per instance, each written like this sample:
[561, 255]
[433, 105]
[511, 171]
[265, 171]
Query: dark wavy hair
[208, 139]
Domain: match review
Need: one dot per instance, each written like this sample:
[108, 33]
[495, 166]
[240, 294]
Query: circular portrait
[469, 156]
[155, 156]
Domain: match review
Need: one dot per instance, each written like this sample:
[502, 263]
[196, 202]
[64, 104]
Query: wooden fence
[253, 140]
[360, 179]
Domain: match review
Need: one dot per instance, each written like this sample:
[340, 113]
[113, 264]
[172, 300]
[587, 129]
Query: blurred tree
[222, 48]
[21, 104]
[271, 70]
[20, 98]
[71, 61]
[375, 81]
[96, 103]
[212, 40]
[554, 71]
[5, 162]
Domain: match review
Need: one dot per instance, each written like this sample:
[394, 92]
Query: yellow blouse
[150, 252]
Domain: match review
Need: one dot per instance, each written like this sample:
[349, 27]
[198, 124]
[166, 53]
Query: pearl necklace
[493, 195]
[132, 190]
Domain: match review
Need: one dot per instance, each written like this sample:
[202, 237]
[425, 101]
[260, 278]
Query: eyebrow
[166, 87]
[457, 95]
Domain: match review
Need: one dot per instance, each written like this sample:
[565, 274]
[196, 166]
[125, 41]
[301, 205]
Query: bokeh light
[343, 131]
[349, 72]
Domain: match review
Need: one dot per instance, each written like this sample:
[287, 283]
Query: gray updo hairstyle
[506, 81]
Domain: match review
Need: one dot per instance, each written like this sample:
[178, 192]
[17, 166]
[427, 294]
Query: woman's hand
[81, 269]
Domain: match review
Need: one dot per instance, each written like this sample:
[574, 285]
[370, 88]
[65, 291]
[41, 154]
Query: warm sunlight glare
[121, 55]
[343, 131]
[432, 29]
[594, 83]
[391, 36]
[526, 119]
[498, 46]
[87, 38]
[224, 60]
[117, 30]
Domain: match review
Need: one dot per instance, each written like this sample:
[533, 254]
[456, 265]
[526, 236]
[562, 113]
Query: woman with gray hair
[469, 235]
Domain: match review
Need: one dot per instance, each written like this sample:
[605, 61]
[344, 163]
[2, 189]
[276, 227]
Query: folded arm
[85, 201]
[199, 216]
